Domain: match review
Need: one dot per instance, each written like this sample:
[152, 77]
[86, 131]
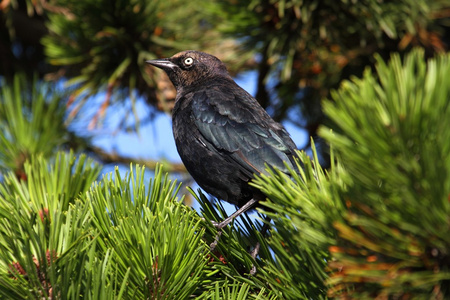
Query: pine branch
[115, 158]
[392, 137]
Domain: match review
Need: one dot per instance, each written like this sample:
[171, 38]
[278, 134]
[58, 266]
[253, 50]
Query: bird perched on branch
[222, 133]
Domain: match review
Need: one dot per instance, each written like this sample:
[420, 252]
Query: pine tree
[373, 225]
[376, 224]
[304, 49]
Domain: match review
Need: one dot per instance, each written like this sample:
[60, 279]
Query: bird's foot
[255, 250]
[213, 245]
[219, 226]
[254, 253]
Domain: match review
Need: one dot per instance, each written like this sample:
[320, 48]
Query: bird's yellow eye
[188, 61]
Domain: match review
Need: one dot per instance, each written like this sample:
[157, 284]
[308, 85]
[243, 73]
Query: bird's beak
[163, 63]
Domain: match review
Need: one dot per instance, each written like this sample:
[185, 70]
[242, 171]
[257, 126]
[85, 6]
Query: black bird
[222, 133]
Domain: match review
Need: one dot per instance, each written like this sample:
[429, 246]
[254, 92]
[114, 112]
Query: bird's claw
[254, 253]
[214, 223]
[219, 227]
[213, 245]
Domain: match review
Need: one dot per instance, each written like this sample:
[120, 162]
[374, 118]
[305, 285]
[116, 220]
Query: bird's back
[224, 137]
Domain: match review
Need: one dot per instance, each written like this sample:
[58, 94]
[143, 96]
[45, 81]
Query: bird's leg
[228, 220]
[255, 250]
[238, 212]
[264, 229]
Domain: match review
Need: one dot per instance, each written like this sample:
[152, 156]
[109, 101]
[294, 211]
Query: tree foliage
[373, 225]
[31, 122]
[380, 214]
[103, 45]
[305, 48]
[311, 46]
[396, 151]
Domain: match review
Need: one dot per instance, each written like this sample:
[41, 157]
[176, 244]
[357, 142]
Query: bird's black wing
[233, 124]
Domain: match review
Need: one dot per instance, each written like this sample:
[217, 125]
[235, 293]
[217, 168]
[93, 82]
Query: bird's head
[190, 67]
